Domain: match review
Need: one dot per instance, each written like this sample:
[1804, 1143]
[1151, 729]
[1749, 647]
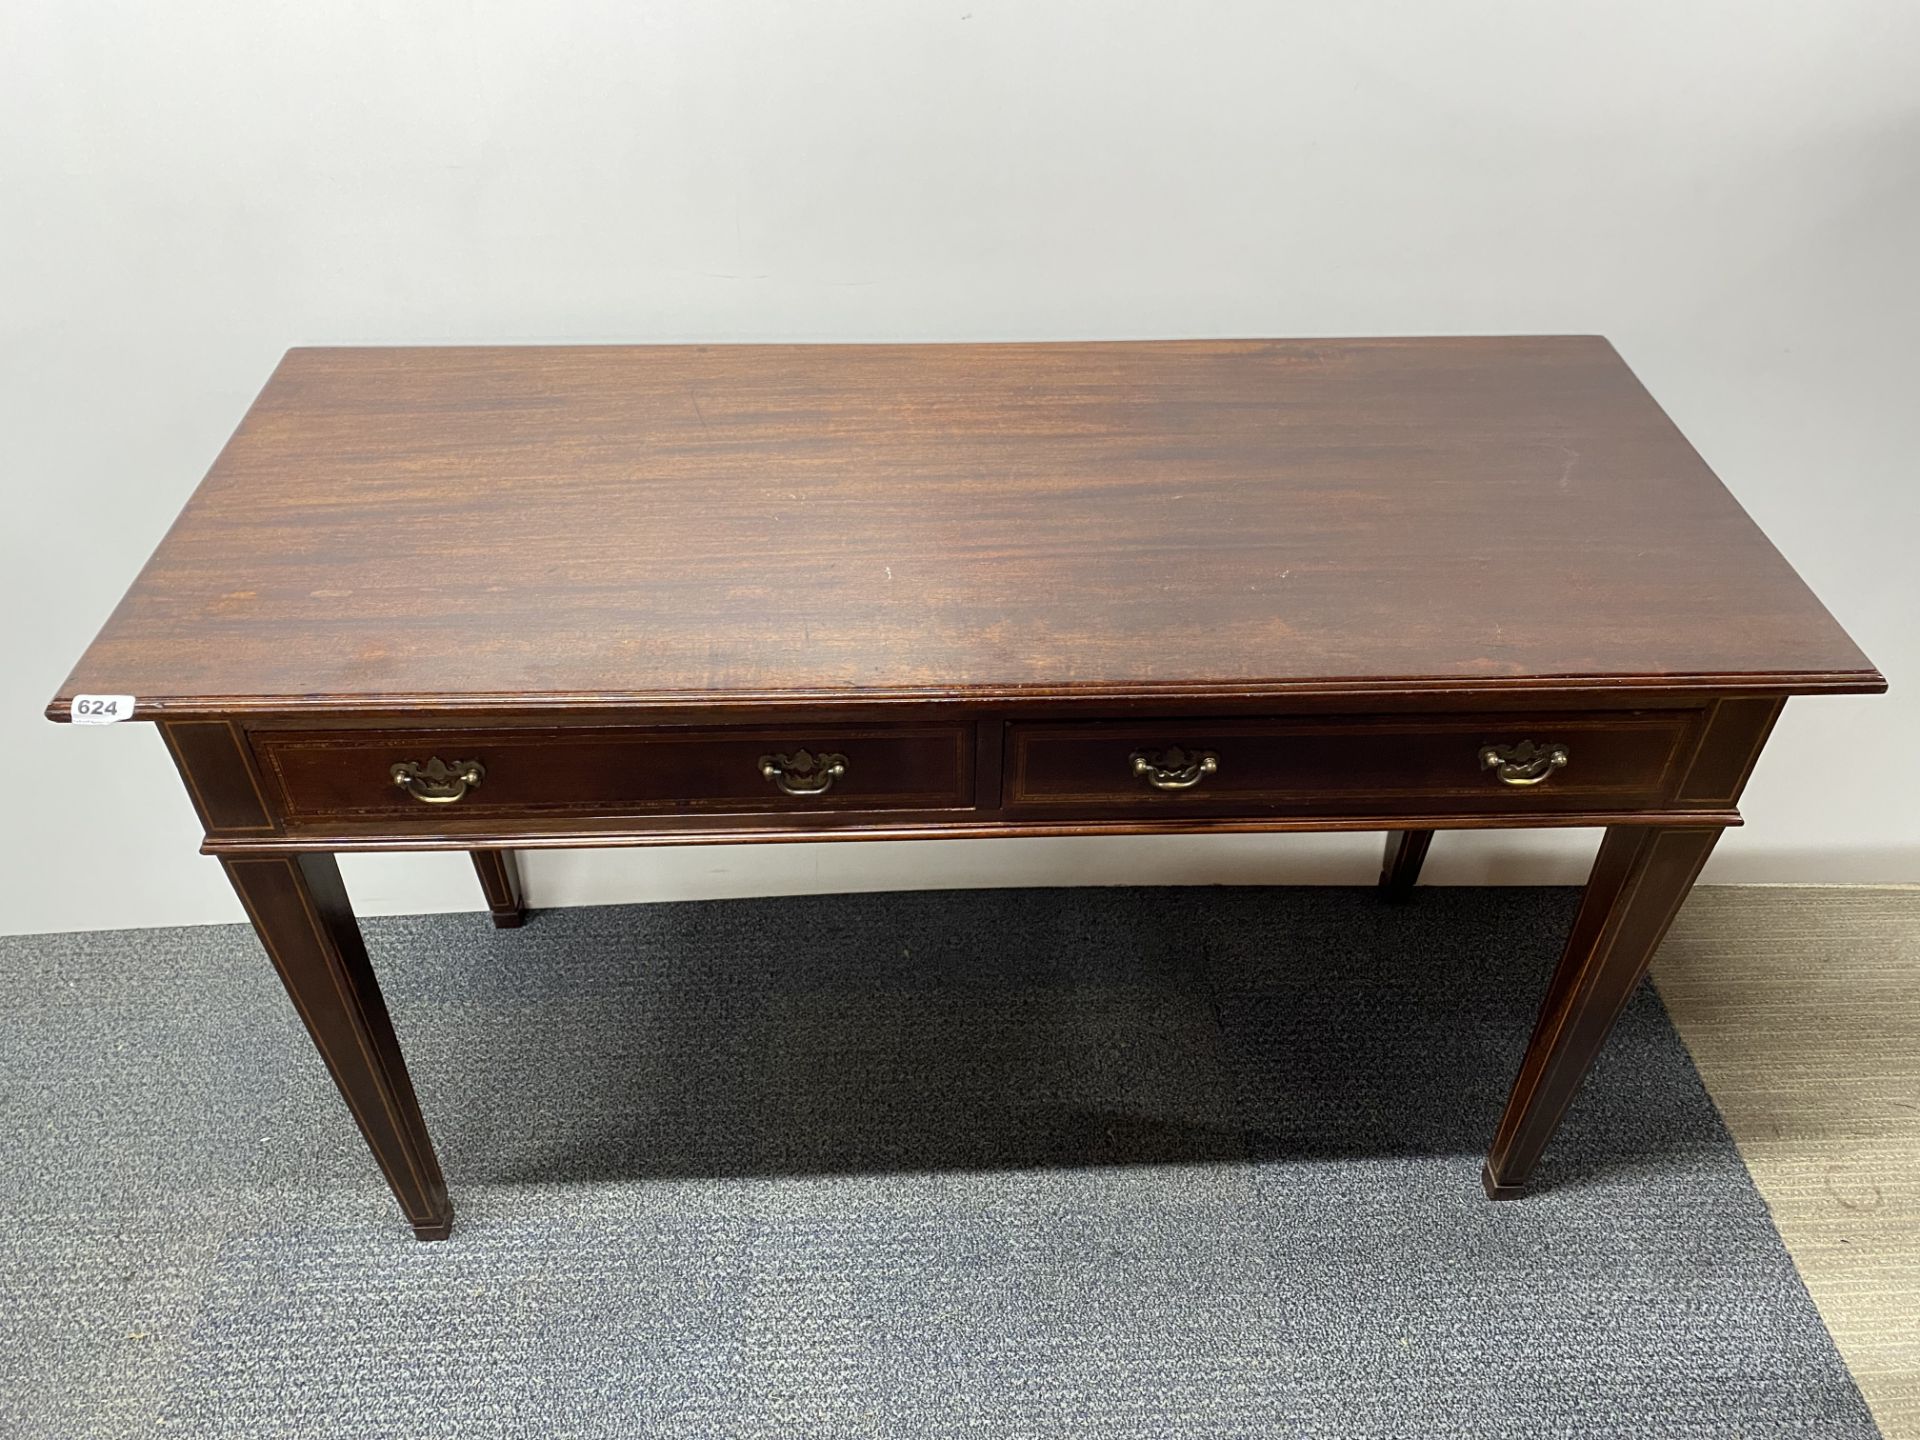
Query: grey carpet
[1088, 1163]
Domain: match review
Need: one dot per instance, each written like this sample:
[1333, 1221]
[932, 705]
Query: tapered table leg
[1400, 870]
[1639, 880]
[300, 909]
[499, 872]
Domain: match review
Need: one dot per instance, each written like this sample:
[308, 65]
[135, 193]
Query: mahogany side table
[492, 599]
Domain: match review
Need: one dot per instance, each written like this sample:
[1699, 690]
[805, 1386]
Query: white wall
[1728, 189]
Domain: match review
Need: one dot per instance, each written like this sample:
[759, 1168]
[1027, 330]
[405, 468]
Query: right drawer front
[1353, 765]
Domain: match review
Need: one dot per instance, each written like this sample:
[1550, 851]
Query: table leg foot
[299, 907]
[1495, 1190]
[1639, 880]
[499, 872]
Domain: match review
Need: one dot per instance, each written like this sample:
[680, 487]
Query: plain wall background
[1731, 191]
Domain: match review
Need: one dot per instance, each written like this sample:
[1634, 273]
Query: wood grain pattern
[619, 577]
[221, 780]
[1639, 880]
[611, 770]
[1352, 764]
[388, 837]
[299, 907]
[435, 528]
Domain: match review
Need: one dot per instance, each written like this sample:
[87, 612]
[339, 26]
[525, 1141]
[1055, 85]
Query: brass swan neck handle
[437, 782]
[803, 773]
[1174, 769]
[1523, 764]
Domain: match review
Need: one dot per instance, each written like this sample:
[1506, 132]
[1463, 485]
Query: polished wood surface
[600, 770]
[1639, 879]
[1400, 866]
[299, 906]
[430, 529]
[499, 872]
[1361, 762]
[503, 599]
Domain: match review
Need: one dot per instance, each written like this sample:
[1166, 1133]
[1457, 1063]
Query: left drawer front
[349, 775]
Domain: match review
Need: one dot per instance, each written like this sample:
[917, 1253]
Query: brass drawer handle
[1174, 769]
[436, 782]
[802, 773]
[1522, 764]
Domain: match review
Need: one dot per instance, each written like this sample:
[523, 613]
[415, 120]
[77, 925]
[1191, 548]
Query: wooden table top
[657, 525]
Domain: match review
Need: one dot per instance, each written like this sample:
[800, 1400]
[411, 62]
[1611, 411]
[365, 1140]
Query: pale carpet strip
[1801, 1006]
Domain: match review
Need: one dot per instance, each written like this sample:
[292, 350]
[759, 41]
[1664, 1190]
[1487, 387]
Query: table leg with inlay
[1640, 879]
[299, 907]
[1400, 868]
[499, 872]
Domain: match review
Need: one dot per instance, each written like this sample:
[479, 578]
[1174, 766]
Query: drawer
[440, 775]
[1358, 765]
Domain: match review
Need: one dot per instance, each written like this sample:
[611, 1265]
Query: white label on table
[101, 709]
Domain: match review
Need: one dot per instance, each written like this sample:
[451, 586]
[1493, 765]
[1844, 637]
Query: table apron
[528, 784]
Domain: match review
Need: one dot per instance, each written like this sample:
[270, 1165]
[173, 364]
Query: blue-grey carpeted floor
[1086, 1163]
